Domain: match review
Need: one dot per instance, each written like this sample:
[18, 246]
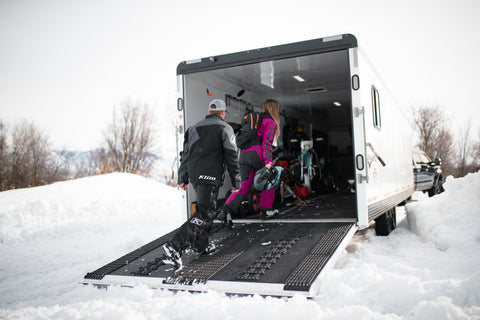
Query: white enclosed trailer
[359, 169]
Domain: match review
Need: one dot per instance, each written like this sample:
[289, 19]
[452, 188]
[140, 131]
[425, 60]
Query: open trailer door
[359, 143]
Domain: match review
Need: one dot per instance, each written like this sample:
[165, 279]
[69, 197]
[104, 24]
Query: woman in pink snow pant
[255, 157]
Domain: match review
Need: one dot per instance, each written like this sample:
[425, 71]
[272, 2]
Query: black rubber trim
[302, 277]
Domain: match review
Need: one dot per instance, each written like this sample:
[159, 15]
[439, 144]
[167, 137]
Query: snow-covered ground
[51, 236]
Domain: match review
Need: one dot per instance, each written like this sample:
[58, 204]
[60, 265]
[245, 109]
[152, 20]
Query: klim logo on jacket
[204, 177]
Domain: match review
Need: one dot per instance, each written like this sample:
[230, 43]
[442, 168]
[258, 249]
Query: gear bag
[247, 136]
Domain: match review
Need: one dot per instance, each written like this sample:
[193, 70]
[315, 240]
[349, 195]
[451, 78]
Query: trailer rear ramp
[274, 257]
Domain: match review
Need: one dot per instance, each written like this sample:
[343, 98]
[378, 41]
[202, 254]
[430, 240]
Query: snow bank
[96, 204]
[450, 220]
[51, 236]
[428, 268]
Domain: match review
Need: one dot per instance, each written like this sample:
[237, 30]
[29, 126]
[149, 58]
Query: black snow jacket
[208, 148]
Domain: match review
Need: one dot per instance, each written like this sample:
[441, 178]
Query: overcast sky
[64, 64]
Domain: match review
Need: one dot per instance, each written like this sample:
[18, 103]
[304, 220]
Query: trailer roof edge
[333, 43]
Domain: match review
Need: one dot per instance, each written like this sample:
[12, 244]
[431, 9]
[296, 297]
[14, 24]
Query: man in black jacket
[208, 148]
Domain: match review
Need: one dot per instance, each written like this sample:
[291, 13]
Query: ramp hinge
[362, 178]
[359, 111]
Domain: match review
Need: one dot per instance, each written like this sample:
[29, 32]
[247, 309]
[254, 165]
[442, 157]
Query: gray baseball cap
[217, 105]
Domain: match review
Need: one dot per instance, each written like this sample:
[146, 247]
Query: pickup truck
[428, 174]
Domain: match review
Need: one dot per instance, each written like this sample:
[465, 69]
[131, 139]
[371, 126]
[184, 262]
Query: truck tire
[386, 223]
[436, 189]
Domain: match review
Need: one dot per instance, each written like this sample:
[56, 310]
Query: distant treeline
[27, 160]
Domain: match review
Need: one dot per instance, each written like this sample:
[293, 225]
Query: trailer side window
[377, 121]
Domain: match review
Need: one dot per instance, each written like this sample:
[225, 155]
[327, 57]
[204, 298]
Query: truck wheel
[404, 202]
[436, 189]
[386, 223]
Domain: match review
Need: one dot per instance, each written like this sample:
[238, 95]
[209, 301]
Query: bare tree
[130, 139]
[31, 161]
[476, 152]
[435, 137]
[4, 158]
[427, 122]
[61, 162]
[463, 149]
[467, 151]
[19, 159]
[444, 148]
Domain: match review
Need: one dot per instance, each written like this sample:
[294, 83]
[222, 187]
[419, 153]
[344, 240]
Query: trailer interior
[315, 147]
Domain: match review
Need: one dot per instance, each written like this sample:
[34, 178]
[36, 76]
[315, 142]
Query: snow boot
[209, 249]
[225, 216]
[267, 213]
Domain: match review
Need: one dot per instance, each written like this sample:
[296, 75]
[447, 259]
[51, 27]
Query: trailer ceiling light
[338, 104]
[298, 78]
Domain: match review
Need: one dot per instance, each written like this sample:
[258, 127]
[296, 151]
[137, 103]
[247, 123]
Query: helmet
[301, 192]
[267, 178]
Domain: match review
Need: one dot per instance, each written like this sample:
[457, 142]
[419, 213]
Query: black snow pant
[196, 230]
[249, 163]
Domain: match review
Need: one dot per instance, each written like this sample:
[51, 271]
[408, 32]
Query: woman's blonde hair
[271, 106]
